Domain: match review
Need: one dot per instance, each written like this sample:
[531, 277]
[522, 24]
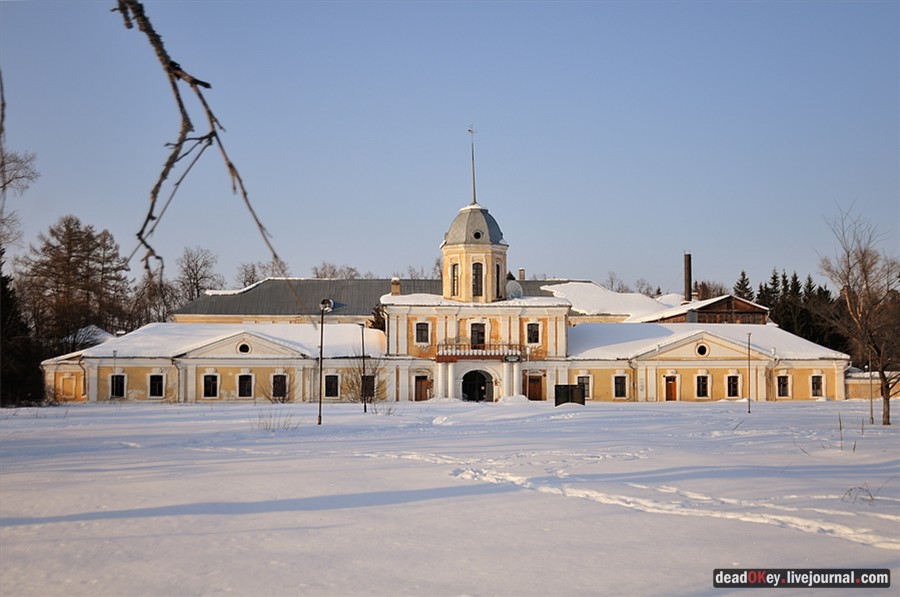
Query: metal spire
[472, 132]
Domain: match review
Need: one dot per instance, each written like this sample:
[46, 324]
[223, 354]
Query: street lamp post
[748, 373]
[362, 380]
[324, 307]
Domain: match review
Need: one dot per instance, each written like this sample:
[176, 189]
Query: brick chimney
[395, 286]
[521, 273]
[688, 282]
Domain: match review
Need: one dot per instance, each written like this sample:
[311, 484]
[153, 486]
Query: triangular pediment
[702, 345]
[243, 345]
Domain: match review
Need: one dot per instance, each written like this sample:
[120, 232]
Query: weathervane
[472, 132]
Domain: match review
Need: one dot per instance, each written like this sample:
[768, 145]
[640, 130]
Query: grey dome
[474, 225]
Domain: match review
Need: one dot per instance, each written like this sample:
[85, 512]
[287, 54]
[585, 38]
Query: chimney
[688, 283]
[395, 286]
[521, 273]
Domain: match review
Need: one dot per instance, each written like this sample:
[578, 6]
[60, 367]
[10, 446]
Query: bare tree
[869, 292]
[153, 299]
[251, 273]
[707, 289]
[197, 273]
[331, 271]
[644, 287]
[17, 173]
[615, 283]
[353, 380]
[277, 389]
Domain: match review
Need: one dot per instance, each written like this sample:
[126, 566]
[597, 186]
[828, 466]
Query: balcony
[455, 351]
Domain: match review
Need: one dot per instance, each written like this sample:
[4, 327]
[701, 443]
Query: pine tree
[19, 359]
[742, 288]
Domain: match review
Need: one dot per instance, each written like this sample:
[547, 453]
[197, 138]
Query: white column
[451, 381]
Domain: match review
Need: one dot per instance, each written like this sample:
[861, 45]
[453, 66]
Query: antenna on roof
[472, 132]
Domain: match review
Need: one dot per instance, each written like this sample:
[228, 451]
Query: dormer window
[477, 235]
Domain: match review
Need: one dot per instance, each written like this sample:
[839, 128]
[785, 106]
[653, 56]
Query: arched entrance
[477, 386]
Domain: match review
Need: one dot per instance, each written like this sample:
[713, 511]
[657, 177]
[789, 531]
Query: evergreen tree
[20, 373]
[742, 288]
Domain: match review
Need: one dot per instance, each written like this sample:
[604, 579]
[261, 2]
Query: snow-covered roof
[590, 298]
[436, 300]
[631, 340]
[684, 308]
[170, 340]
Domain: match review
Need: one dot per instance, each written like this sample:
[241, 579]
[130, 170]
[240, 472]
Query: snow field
[439, 498]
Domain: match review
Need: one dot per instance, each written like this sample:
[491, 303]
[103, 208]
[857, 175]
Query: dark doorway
[671, 388]
[477, 386]
[422, 386]
[535, 388]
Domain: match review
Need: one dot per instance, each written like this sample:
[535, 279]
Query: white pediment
[244, 345]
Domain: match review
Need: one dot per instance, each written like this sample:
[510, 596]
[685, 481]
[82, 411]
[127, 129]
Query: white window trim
[740, 386]
[237, 379]
[287, 384]
[709, 386]
[590, 385]
[822, 377]
[149, 386]
[325, 377]
[627, 395]
[427, 324]
[790, 386]
[118, 372]
[203, 377]
[540, 333]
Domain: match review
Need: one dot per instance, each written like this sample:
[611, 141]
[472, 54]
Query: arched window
[477, 279]
[454, 279]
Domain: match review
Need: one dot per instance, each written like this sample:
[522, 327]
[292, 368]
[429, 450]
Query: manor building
[478, 333]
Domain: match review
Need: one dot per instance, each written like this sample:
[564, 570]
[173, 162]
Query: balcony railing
[451, 351]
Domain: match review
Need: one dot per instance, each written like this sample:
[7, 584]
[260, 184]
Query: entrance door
[535, 388]
[671, 388]
[421, 390]
[477, 386]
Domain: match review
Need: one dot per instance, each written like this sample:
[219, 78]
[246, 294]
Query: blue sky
[612, 136]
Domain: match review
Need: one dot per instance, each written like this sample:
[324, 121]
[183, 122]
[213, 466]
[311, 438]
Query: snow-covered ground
[440, 498]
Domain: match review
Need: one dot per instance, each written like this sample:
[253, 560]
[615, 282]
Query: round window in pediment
[243, 348]
[702, 350]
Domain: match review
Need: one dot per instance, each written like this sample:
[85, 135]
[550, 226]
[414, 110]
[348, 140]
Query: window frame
[704, 391]
[241, 380]
[419, 326]
[454, 279]
[737, 386]
[332, 386]
[528, 329]
[616, 380]
[817, 390]
[783, 390]
[483, 331]
[113, 377]
[477, 279]
[585, 382]
[162, 386]
[274, 389]
[214, 379]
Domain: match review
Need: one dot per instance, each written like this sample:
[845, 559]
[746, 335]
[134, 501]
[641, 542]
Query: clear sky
[611, 136]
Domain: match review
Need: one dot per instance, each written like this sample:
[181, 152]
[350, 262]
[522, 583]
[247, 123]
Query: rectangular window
[331, 386]
[117, 386]
[210, 386]
[533, 333]
[156, 386]
[497, 280]
[702, 386]
[477, 336]
[454, 279]
[817, 385]
[620, 389]
[585, 382]
[279, 386]
[245, 386]
[477, 279]
[783, 386]
[422, 335]
[733, 385]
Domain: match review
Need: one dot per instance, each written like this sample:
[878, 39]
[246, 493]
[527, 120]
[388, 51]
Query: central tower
[474, 253]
